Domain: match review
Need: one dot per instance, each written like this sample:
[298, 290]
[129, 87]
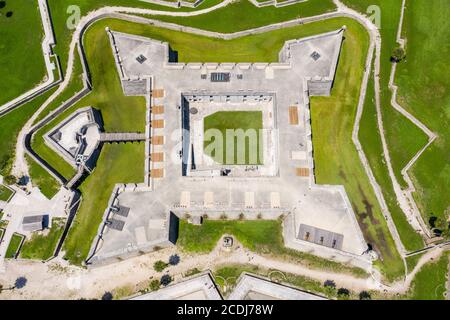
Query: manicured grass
[14, 246]
[48, 185]
[429, 283]
[113, 167]
[5, 193]
[336, 159]
[60, 16]
[1, 233]
[371, 141]
[424, 90]
[41, 246]
[243, 15]
[261, 236]
[21, 63]
[243, 128]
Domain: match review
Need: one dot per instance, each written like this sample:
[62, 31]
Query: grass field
[429, 283]
[23, 71]
[42, 246]
[14, 246]
[246, 149]
[5, 193]
[48, 185]
[243, 15]
[371, 141]
[261, 236]
[424, 90]
[113, 167]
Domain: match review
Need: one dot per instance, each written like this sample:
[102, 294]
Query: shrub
[154, 285]
[241, 216]
[107, 296]
[165, 280]
[159, 266]
[398, 54]
[174, 259]
[364, 295]
[343, 293]
[10, 180]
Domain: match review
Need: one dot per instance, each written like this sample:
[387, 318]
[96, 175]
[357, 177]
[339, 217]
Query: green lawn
[429, 283]
[371, 142]
[48, 185]
[42, 246]
[21, 61]
[5, 193]
[261, 236]
[14, 246]
[113, 167]
[233, 137]
[243, 15]
[424, 90]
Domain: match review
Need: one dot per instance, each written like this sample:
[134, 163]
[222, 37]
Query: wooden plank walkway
[121, 136]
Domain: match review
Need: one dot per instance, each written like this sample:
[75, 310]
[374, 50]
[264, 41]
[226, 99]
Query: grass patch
[412, 261]
[23, 71]
[371, 142]
[48, 185]
[239, 128]
[113, 167]
[42, 245]
[425, 92]
[243, 15]
[14, 246]
[429, 282]
[5, 193]
[261, 236]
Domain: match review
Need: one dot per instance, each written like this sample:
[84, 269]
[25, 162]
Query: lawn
[424, 90]
[14, 246]
[5, 193]
[48, 185]
[429, 283]
[243, 15]
[371, 142]
[233, 137]
[261, 236]
[114, 166]
[21, 63]
[42, 246]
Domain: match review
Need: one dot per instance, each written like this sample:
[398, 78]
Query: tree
[154, 285]
[398, 54]
[2, 4]
[165, 280]
[9, 14]
[20, 283]
[10, 179]
[329, 283]
[159, 266]
[107, 296]
[364, 295]
[174, 259]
